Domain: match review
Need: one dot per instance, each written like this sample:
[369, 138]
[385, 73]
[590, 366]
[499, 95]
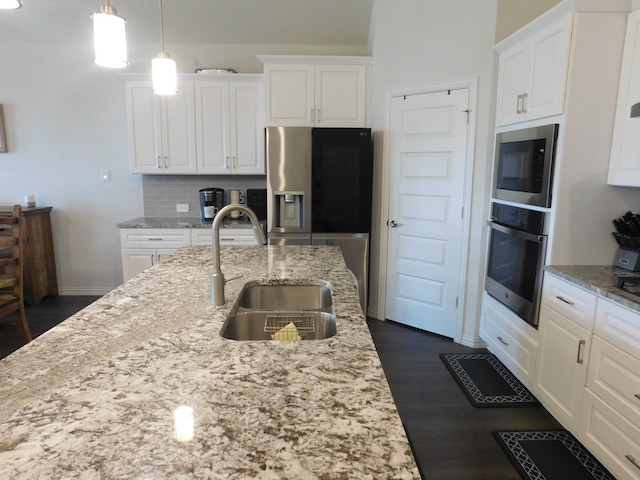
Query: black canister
[211, 201]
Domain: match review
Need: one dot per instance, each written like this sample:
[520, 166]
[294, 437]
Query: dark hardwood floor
[451, 438]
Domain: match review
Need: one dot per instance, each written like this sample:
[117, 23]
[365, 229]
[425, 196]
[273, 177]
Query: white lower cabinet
[588, 373]
[142, 248]
[562, 365]
[510, 339]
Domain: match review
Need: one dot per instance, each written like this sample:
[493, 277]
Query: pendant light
[109, 38]
[163, 68]
[10, 4]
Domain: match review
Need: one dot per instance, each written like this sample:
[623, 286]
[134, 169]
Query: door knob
[393, 224]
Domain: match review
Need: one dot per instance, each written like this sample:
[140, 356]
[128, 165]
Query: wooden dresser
[39, 262]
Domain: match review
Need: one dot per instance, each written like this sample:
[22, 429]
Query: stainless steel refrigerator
[319, 183]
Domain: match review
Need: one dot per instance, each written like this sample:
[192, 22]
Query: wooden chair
[11, 289]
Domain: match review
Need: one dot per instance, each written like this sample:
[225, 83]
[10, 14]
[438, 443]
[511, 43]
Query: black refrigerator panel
[342, 174]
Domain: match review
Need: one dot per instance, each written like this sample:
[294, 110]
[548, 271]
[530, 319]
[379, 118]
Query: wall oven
[523, 168]
[516, 255]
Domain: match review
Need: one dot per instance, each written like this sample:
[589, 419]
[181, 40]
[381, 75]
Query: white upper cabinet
[327, 94]
[161, 139]
[624, 165]
[532, 74]
[230, 126]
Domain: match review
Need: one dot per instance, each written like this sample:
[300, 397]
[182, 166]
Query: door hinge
[457, 298]
[462, 213]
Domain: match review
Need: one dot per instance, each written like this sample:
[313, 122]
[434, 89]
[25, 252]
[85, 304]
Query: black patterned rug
[486, 381]
[550, 455]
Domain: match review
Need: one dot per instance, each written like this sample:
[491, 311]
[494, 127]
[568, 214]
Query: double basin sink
[302, 311]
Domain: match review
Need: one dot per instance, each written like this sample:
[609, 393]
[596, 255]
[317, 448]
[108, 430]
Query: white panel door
[428, 143]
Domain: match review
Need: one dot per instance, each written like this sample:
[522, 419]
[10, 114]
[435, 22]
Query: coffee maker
[211, 201]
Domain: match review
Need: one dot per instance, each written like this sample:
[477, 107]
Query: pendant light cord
[161, 26]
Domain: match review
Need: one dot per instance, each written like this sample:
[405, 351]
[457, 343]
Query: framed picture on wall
[3, 135]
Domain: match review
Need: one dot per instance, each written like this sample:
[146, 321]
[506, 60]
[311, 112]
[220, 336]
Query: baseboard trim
[83, 291]
[472, 341]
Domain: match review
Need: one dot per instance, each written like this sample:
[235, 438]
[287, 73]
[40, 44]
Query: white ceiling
[304, 22]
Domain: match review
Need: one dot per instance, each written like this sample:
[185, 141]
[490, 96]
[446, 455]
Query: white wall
[66, 121]
[418, 43]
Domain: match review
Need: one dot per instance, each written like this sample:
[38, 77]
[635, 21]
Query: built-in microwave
[523, 169]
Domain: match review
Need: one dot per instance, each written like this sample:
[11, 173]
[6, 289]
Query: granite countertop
[601, 280]
[94, 397]
[186, 222]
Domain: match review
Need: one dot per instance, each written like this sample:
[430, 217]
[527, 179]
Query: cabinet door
[624, 164]
[246, 132]
[562, 366]
[178, 139]
[340, 95]
[514, 67]
[143, 118]
[212, 120]
[136, 260]
[290, 95]
[549, 64]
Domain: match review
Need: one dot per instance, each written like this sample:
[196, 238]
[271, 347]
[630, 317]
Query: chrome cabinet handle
[393, 224]
[319, 115]
[524, 105]
[158, 162]
[166, 161]
[154, 239]
[312, 115]
[581, 343]
[632, 459]
[518, 111]
[153, 259]
[235, 161]
[562, 299]
[226, 162]
[503, 341]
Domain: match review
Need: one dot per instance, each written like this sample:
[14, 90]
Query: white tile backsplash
[161, 193]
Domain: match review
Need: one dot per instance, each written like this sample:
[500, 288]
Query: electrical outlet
[182, 207]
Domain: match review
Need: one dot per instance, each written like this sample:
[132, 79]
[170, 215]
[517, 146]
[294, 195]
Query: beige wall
[513, 14]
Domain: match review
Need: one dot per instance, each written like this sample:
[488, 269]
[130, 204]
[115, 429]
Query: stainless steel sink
[282, 312]
[315, 296]
[264, 325]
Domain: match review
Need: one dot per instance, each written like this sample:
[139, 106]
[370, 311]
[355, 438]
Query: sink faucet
[217, 278]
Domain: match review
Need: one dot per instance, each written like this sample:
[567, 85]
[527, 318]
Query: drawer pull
[633, 460]
[503, 341]
[562, 299]
[154, 239]
[580, 344]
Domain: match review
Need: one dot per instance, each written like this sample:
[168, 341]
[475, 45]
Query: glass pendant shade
[110, 38]
[164, 75]
[10, 4]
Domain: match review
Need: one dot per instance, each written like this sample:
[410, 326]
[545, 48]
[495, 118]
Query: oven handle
[533, 237]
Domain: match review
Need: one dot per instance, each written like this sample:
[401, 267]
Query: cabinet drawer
[508, 337]
[228, 236]
[619, 326]
[573, 302]
[615, 377]
[611, 438]
[154, 237]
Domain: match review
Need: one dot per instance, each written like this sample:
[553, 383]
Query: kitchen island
[94, 397]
